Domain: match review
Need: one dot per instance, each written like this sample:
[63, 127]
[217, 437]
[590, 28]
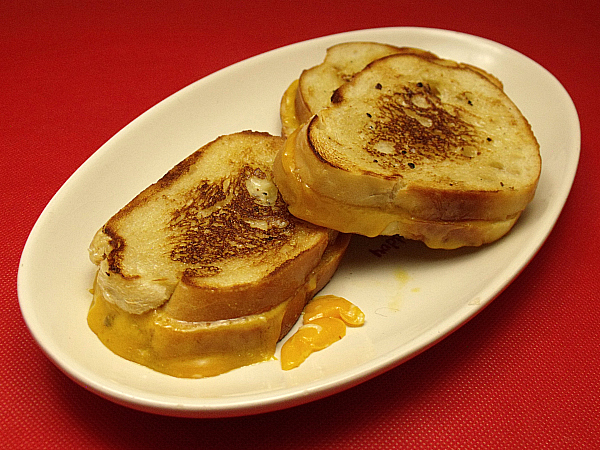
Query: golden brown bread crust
[194, 301]
[213, 239]
[229, 234]
[189, 307]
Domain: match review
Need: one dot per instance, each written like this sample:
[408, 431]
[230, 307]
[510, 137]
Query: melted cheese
[264, 191]
[325, 319]
[204, 349]
[334, 306]
[289, 119]
[185, 349]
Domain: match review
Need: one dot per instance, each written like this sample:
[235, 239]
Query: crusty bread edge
[196, 302]
[308, 204]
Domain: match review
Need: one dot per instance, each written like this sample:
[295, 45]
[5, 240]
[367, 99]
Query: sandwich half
[414, 145]
[206, 270]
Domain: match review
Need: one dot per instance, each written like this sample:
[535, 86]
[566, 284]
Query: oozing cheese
[289, 119]
[263, 190]
[325, 320]
[334, 306]
[185, 349]
[205, 349]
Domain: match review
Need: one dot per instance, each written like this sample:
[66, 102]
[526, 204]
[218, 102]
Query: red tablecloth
[522, 374]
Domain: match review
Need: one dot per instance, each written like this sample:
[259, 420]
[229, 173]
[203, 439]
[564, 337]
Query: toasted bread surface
[214, 232]
[439, 141]
[315, 86]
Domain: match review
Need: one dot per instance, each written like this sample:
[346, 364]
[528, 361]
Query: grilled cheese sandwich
[212, 243]
[414, 145]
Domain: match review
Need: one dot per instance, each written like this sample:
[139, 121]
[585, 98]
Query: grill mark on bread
[412, 125]
[117, 244]
[216, 221]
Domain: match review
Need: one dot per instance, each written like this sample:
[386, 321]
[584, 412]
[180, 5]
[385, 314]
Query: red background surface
[522, 374]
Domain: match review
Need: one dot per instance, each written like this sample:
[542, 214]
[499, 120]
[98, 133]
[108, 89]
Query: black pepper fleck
[378, 86]
[411, 165]
[369, 115]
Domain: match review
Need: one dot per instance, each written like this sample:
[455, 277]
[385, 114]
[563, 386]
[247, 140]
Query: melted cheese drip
[185, 349]
[334, 306]
[264, 191]
[289, 119]
[325, 319]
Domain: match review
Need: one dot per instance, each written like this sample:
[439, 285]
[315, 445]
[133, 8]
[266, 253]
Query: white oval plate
[412, 296]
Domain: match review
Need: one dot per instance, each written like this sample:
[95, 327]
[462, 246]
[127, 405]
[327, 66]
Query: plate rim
[252, 404]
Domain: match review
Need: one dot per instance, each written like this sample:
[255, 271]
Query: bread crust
[194, 300]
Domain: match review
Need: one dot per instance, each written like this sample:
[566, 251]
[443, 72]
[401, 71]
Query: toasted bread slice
[312, 91]
[414, 141]
[211, 240]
